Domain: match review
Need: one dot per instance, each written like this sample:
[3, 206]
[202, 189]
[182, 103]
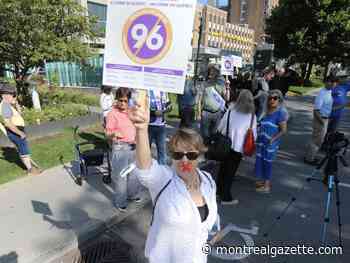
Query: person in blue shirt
[159, 106]
[187, 104]
[340, 101]
[321, 114]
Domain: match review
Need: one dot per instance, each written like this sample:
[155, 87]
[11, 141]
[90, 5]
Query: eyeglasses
[190, 155]
[273, 98]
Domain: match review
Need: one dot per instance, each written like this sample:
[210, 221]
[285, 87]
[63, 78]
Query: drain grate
[111, 251]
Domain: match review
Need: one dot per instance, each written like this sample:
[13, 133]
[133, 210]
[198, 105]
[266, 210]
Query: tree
[34, 31]
[311, 32]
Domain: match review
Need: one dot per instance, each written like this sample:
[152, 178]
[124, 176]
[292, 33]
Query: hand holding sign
[139, 114]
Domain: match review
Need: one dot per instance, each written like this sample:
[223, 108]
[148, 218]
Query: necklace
[193, 185]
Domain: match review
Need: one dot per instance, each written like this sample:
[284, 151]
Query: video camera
[335, 142]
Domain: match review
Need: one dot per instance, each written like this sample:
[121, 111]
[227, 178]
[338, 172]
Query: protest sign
[147, 44]
[226, 66]
[237, 61]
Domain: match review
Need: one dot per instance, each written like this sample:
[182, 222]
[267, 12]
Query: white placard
[147, 43]
[190, 68]
[227, 66]
[237, 61]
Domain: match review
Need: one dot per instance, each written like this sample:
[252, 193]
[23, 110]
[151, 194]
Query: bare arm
[13, 128]
[140, 117]
[282, 130]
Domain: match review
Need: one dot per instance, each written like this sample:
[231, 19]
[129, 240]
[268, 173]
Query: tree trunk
[22, 88]
[309, 70]
[326, 69]
[303, 70]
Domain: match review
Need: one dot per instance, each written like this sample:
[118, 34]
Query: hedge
[54, 113]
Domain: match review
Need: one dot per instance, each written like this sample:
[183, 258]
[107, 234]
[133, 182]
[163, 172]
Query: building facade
[253, 13]
[218, 33]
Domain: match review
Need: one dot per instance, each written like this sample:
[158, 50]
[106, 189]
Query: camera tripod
[330, 161]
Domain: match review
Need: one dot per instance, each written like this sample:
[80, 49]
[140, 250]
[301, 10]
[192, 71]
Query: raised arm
[139, 115]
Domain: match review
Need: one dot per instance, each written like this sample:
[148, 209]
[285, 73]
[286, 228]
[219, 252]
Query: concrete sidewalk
[43, 217]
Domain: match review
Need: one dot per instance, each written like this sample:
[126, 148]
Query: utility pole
[198, 49]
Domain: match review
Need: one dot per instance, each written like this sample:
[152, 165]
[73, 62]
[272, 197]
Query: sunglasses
[273, 98]
[189, 155]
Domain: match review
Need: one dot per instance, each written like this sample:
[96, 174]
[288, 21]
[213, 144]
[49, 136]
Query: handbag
[249, 141]
[219, 145]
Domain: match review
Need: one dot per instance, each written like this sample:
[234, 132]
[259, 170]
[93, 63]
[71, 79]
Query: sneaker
[122, 209]
[263, 190]
[232, 202]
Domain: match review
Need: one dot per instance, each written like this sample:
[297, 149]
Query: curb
[88, 232]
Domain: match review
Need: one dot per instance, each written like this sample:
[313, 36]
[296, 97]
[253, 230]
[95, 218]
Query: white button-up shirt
[324, 102]
[177, 233]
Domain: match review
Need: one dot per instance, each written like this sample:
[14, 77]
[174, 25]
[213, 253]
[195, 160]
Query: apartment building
[253, 13]
[218, 34]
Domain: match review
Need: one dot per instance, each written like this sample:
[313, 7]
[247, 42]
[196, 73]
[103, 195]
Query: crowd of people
[185, 197]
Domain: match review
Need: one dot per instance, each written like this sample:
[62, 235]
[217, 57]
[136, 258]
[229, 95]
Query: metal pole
[197, 55]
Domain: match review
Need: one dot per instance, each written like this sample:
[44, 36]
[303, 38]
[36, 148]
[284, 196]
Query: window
[100, 11]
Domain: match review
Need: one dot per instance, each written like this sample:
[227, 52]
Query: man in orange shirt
[122, 133]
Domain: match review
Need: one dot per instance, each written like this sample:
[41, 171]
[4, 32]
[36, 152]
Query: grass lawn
[47, 152]
[302, 90]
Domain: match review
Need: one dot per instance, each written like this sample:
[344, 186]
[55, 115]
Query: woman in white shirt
[184, 197]
[106, 102]
[241, 115]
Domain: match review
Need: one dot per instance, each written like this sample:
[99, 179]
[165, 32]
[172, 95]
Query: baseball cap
[6, 88]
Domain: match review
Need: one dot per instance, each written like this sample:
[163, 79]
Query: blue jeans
[157, 134]
[21, 144]
[209, 123]
[263, 168]
[129, 186]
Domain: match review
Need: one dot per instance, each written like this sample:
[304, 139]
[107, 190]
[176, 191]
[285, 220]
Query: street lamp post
[198, 49]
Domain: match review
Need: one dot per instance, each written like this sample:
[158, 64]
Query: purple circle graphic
[150, 37]
[227, 64]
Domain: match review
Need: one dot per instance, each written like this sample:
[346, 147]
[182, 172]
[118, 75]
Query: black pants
[187, 115]
[228, 169]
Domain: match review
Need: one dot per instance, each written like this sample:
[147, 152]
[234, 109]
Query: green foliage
[33, 31]
[312, 32]
[56, 96]
[54, 113]
[47, 152]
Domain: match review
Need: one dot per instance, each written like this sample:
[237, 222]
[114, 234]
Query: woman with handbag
[271, 127]
[239, 123]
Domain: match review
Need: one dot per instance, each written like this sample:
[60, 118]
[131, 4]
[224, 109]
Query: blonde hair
[245, 102]
[187, 137]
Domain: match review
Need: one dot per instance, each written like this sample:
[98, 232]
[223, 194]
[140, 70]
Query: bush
[54, 96]
[54, 113]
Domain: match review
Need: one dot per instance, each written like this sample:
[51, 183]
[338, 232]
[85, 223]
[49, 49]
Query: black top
[203, 212]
